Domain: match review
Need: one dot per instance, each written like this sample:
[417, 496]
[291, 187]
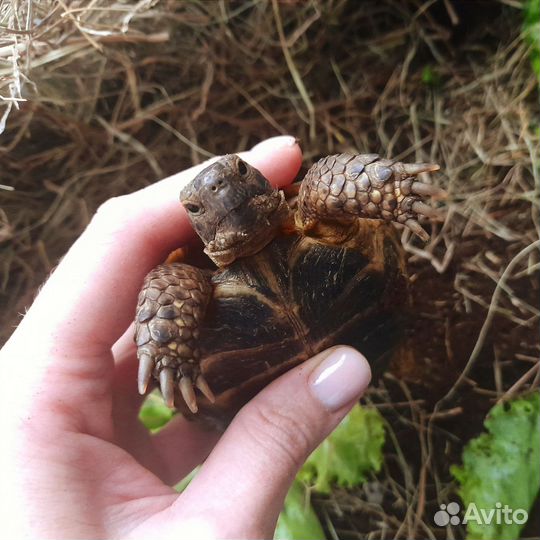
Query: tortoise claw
[417, 168]
[427, 190]
[146, 366]
[417, 229]
[186, 389]
[425, 210]
[166, 382]
[202, 385]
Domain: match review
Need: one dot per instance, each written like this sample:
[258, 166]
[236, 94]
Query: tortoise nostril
[217, 185]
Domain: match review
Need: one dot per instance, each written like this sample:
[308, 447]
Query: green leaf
[349, 454]
[531, 32]
[502, 466]
[298, 520]
[154, 414]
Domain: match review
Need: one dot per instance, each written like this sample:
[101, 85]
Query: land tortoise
[289, 278]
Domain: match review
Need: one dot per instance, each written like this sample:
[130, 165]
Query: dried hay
[96, 94]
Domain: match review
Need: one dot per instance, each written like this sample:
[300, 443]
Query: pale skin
[75, 460]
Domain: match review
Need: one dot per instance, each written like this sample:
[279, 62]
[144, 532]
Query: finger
[90, 298]
[251, 469]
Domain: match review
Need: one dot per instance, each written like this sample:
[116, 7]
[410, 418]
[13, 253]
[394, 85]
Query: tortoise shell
[295, 298]
[298, 296]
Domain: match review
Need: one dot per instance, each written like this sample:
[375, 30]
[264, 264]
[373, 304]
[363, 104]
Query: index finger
[89, 300]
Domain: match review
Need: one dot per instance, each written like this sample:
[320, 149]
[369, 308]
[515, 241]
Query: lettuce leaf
[502, 466]
[345, 457]
[531, 31]
[154, 414]
[298, 520]
[349, 454]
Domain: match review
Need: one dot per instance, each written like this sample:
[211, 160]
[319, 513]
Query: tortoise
[288, 278]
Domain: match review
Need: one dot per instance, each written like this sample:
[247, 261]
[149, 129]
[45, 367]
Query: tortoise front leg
[171, 305]
[344, 187]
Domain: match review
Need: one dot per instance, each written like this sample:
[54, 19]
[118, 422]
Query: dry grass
[101, 98]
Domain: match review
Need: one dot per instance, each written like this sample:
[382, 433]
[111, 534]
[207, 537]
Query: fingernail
[343, 375]
[275, 143]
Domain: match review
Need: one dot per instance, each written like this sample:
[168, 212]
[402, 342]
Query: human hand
[77, 463]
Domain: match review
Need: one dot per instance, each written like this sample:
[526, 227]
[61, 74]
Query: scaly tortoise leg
[171, 305]
[345, 187]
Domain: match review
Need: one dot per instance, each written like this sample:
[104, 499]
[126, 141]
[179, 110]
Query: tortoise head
[234, 209]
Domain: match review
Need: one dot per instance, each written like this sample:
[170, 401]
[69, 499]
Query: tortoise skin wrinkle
[290, 281]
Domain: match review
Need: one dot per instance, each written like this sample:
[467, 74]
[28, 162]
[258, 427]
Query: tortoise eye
[242, 168]
[193, 208]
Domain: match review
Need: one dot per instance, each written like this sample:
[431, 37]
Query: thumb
[241, 488]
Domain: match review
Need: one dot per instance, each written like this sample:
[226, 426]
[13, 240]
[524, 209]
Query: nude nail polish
[341, 377]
